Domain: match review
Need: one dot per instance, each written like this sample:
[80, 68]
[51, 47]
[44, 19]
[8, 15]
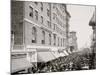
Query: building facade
[73, 42]
[39, 31]
[93, 24]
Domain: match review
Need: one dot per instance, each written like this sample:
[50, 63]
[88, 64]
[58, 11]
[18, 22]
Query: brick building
[72, 41]
[39, 31]
[93, 24]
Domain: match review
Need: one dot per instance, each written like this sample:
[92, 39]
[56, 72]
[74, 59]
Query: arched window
[31, 11]
[41, 6]
[34, 35]
[49, 39]
[36, 15]
[43, 35]
[42, 19]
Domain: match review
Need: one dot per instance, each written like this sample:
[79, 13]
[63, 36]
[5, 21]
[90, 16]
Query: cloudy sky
[79, 22]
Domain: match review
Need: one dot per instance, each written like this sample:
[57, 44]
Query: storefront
[20, 65]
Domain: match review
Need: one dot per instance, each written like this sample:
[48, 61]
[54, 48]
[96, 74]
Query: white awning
[45, 56]
[62, 54]
[66, 53]
[19, 64]
[56, 54]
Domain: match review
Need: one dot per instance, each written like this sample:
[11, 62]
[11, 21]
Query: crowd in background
[74, 61]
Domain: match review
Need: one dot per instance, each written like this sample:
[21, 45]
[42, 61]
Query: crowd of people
[71, 62]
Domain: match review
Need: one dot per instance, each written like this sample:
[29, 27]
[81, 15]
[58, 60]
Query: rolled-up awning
[45, 56]
[19, 64]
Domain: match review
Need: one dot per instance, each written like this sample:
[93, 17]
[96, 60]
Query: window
[58, 41]
[53, 16]
[48, 12]
[71, 48]
[54, 39]
[31, 11]
[64, 42]
[49, 39]
[41, 6]
[54, 5]
[36, 15]
[48, 23]
[43, 35]
[41, 19]
[61, 42]
[36, 3]
[54, 26]
[34, 35]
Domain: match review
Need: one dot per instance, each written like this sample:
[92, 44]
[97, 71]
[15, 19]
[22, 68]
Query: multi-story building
[93, 43]
[39, 31]
[72, 41]
[93, 24]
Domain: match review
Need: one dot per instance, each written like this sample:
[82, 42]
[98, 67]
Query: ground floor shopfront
[30, 59]
[47, 62]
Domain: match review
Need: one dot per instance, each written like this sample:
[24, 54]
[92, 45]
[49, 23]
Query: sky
[79, 22]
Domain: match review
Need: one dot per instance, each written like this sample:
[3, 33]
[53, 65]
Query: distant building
[93, 24]
[93, 44]
[39, 31]
[73, 41]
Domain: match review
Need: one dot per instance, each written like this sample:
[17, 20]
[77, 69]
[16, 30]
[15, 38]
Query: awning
[62, 54]
[45, 56]
[66, 53]
[19, 64]
[56, 54]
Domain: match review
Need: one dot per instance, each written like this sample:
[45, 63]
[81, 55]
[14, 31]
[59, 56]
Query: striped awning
[66, 53]
[56, 54]
[62, 54]
[19, 64]
[45, 56]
